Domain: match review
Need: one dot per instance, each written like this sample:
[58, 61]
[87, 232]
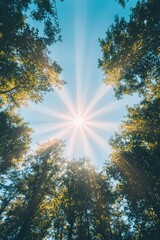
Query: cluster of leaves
[122, 2]
[131, 64]
[131, 52]
[14, 139]
[26, 69]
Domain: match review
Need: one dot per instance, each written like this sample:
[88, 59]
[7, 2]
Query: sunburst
[78, 113]
[82, 126]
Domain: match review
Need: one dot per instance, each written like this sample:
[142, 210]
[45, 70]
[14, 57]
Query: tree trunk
[32, 207]
[70, 231]
[61, 232]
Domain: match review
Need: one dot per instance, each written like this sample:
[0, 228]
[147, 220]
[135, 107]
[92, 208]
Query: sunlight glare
[80, 129]
[79, 121]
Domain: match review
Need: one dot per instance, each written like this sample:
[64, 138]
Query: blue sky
[82, 23]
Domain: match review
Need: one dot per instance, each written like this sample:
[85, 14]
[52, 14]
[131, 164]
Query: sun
[79, 121]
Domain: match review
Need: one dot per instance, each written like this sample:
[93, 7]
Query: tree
[26, 69]
[122, 2]
[86, 203]
[14, 139]
[34, 204]
[131, 52]
[103, 199]
[136, 151]
[77, 201]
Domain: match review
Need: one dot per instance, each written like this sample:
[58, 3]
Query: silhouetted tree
[14, 139]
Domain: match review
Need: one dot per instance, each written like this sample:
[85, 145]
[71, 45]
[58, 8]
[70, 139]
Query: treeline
[45, 196]
[50, 198]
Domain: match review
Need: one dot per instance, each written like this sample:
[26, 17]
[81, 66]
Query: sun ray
[52, 113]
[87, 146]
[80, 36]
[46, 127]
[65, 98]
[103, 110]
[102, 125]
[62, 133]
[89, 76]
[97, 139]
[99, 95]
[70, 144]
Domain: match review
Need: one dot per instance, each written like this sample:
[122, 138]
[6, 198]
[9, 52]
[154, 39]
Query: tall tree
[77, 201]
[131, 52]
[35, 201]
[136, 151]
[26, 69]
[14, 139]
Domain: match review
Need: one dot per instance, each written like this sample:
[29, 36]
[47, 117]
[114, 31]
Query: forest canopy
[131, 52]
[44, 195]
[27, 71]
